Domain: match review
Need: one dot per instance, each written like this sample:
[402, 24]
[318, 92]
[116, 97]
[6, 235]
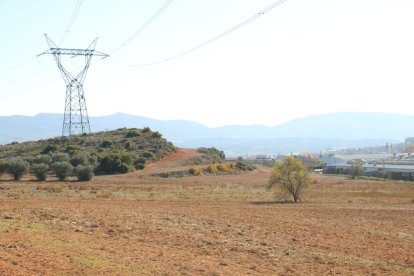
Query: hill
[312, 133]
[114, 151]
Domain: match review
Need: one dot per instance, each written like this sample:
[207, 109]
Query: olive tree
[3, 167]
[291, 176]
[84, 172]
[40, 171]
[62, 169]
[17, 167]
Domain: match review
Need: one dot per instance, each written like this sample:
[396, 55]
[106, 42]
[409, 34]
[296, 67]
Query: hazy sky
[303, 57]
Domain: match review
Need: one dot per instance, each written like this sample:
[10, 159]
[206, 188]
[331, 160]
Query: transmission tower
[75, 120]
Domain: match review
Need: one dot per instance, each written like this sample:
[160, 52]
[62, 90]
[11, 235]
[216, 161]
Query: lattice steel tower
[75, 120]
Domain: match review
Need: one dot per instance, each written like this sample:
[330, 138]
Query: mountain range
[312, 133]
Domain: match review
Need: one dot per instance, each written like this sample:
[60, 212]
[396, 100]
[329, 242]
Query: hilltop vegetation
[106, 152]
[208, 156]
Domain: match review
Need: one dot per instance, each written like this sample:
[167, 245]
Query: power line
[238, 26]
[17, 65]
[144, 26]
[71, 21]
[29, 88]
[24, 77]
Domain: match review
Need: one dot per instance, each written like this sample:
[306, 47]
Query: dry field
[137, 224]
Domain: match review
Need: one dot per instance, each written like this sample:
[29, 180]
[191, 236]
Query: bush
[17, 168]
[84, 173]
[156, 135]
[213, 154]
[129, 146]
[146, 130]
[139, 166]
[42, 159]
[148, 155]
[3, 167]
[244, 167]
[71, 149]
[116, 162]
[49, 148]
[80, 159]
[40, 171]
[226, 167]
[132, 133]
[62, 169]
[60, 157]
[212, 169]
[106, 144]
[29, 159]
[195, 171]
[93, 160]
[139, 163]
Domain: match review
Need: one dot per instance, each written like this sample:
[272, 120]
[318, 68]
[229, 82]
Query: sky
[299, 59]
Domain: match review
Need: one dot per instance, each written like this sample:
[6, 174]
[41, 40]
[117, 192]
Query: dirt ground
[137, 224]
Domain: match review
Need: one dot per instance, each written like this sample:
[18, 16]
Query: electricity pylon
[75, 120]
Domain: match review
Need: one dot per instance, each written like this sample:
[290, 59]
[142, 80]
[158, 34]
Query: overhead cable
[144, 26]
[71, 21]
[238, 26]
[29, 88]
[17, 65]
[24, 77]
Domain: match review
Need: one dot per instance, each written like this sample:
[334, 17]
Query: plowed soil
[138, 224]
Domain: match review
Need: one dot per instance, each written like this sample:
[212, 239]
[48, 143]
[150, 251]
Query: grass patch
[94, 261]
[38, 226]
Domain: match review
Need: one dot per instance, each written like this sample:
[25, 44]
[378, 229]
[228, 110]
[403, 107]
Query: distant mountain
[312, 133]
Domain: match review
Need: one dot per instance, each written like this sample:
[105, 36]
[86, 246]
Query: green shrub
[95, 146]
[129, 146]
[106, 144]
[3, 167]
[28, 159]
[156, 135]
[80, 158]
[62, 169]
[40, 171]
[60, 157]
[115, 162]
[132, 133]
[93, 160]
[50, 148]
[71, 149]
[124, 168]
[148, 154]
[84, 173]
[42, 159]
[244, 167]
[213, 154]
[139, 163]
[17, 167]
